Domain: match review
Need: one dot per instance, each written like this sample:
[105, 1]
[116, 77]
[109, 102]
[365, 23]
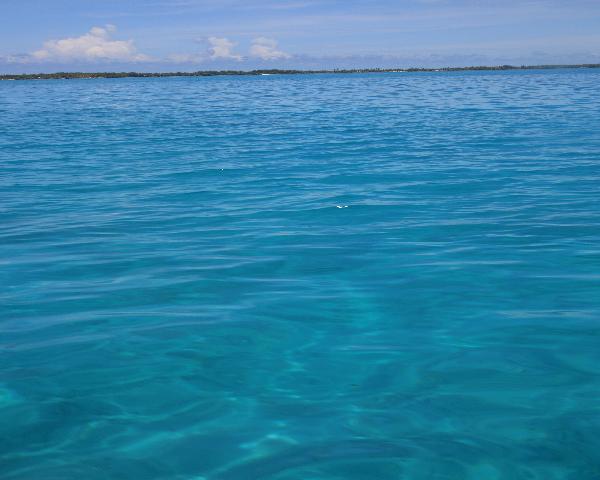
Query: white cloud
[266, 49]
[19, 58]
[97, 44]
[222, 48]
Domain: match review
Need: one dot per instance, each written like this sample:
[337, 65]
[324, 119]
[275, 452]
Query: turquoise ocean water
[379, 276]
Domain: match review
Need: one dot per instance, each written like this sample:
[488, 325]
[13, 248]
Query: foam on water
[301, 277]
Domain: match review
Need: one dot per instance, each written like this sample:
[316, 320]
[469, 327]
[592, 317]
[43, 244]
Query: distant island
[213, 73]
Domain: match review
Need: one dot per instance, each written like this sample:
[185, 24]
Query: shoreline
[216, 73]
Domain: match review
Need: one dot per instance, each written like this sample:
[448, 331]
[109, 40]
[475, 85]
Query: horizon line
[274, 71]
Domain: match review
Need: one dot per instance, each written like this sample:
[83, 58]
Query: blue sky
[144, 35]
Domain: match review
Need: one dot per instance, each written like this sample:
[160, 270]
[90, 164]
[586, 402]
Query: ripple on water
[301, 277]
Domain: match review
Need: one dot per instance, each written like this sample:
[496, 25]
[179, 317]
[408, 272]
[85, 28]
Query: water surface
[379, 276]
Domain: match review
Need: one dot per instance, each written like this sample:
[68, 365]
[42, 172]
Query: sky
[189, 35]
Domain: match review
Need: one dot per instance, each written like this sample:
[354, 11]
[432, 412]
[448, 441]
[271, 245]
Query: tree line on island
[213, 73]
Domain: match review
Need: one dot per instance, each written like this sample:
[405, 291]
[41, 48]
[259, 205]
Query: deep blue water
[182, 297]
